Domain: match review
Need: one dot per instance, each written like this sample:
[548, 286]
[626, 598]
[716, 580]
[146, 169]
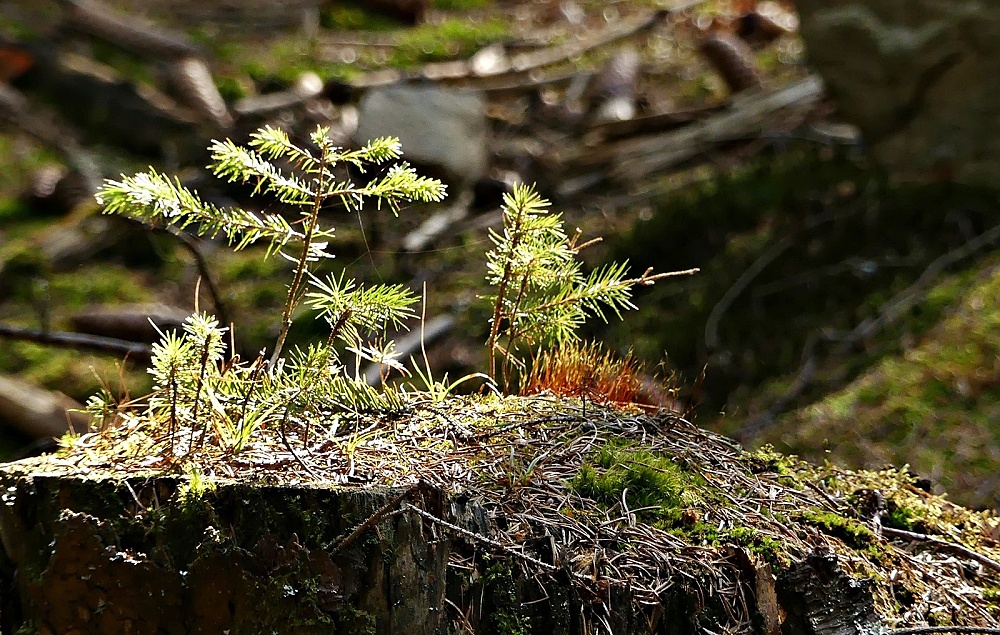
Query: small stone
[443, 131]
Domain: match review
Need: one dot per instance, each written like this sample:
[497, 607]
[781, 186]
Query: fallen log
[79, 341]
[138, 36]
[746, 119]
[37, 412]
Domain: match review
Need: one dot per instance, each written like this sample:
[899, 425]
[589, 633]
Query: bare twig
[942, 544]
[82, 341]
[465, 533]
[738, 287]
[754, 270]
[288, 446]
[382, 512]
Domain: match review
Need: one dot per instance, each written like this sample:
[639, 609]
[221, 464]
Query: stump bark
[137, 556]
[149, 555]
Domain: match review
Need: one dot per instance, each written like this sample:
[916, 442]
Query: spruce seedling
[194, 386]
[155, 199]
[541, 294]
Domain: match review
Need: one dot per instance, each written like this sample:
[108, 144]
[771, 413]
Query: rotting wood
[496, 500]
[645, 124]
[188, 72]
[105, 105]
[747, 118]
[816, 592]
[589, 162]
[241, 558]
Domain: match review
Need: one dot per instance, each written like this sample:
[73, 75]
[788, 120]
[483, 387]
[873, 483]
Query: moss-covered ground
[797, 251]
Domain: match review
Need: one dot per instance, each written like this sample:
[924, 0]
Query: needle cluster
[542, 295]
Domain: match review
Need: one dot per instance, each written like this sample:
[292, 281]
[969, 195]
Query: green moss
[502, 614]
[852, 532]
[196, 486]
[902, 517]
[655, 488]
[767, 459]
[233, 88]
[767, 547]
[357, 621]
[452, 38]
[992, 593]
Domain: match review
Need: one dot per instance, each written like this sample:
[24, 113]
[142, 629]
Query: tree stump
[115, 550]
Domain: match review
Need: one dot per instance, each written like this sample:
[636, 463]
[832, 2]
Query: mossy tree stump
[542, 522]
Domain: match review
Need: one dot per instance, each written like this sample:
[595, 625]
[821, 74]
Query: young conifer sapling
[541, 294]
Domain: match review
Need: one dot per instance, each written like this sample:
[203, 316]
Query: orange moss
[588, 371]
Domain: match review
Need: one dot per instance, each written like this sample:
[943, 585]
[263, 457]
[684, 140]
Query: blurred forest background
[846, 306]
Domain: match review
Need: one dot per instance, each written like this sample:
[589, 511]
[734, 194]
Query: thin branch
[645, 280]
[300, 269]
[498, 313]
[382, 512]
[83, 341]
[465, 533]
[191, 245]
[942, 544]
[738, 287]
[288, 446]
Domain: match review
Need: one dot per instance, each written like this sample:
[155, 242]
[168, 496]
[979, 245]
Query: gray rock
[921, 78]
[442, 131]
